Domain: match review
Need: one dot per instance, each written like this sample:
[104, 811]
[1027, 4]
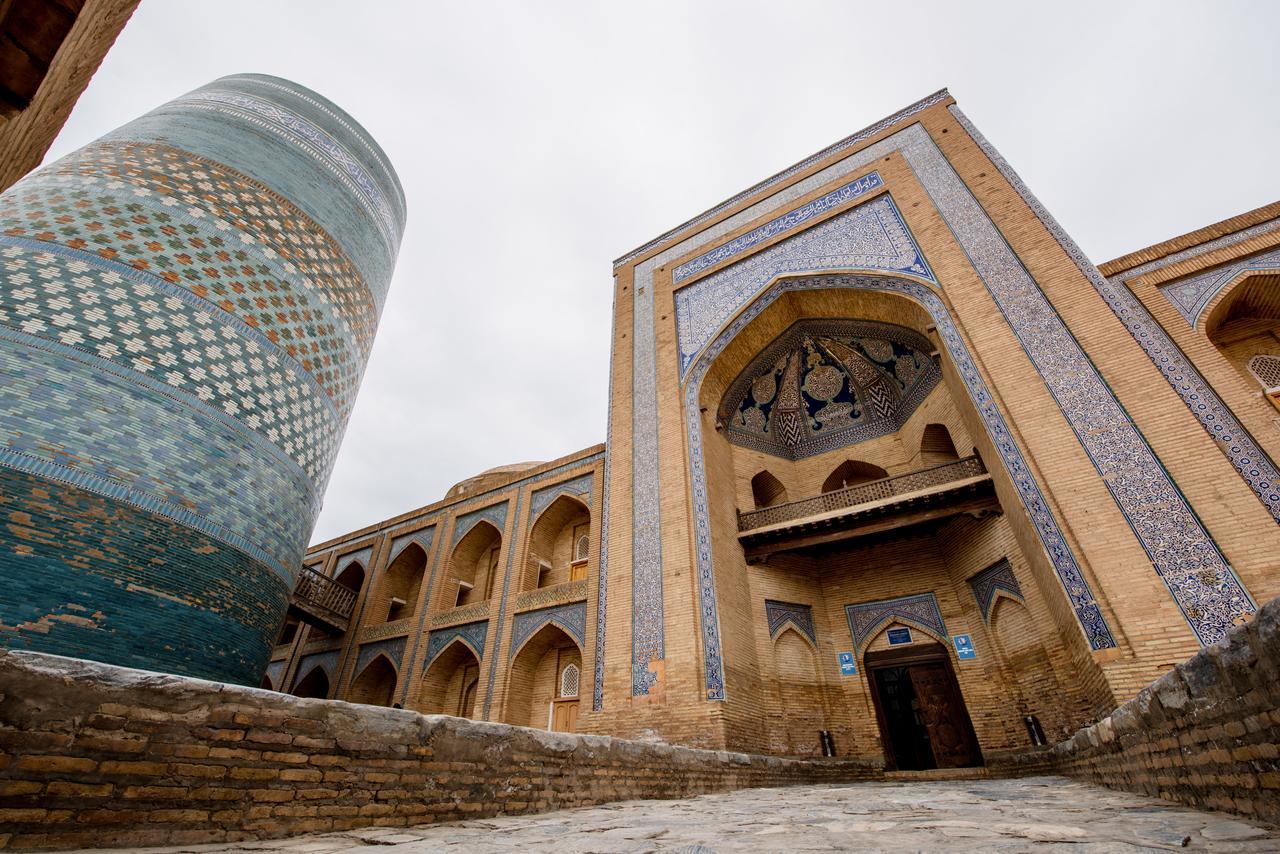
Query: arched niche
[919, 635]
[352, 576]
[451, 682]
[473, 566]
[266, 683]
[375, 685]
[314, 684]
[288, 631]
[767, 490]
[554, 540]
[1243, 323]
[851, 473]
[1026, 660]
[962, 396]
[536, 678]
[403, 581]
[800, 695]
[936, 445]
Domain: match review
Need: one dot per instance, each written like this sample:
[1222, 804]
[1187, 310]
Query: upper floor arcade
[456, 607]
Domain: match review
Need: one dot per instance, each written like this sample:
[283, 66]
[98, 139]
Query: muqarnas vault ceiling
[822, 385]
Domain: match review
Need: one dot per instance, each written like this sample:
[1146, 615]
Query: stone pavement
[1031, 814]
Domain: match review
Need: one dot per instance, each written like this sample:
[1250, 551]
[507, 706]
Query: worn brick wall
[1207, 733]
[97, 755]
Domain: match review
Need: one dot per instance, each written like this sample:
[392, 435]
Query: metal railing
[319, 594]
[862, 493]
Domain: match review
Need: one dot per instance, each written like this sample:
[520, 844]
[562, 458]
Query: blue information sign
[899, 636]
[964, 646]
[848, 664]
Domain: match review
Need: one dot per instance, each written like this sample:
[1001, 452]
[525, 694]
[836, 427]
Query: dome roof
[487, 477]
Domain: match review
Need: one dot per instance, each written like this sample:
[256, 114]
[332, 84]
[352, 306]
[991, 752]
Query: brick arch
[799, 687]
[375, 685]
[315, 683]
[445, 680]
[904, 300]
[352, 575]
[465, 564]
[851, 473]
[899, 620]
[767, 490]
[937, 445]
[547, 541]
[402, 583]
[533, 677]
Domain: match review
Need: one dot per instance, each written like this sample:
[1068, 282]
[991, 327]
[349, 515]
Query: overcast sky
[538, 141]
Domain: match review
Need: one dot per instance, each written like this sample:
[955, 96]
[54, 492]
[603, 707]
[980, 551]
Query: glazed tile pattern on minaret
[186, 309]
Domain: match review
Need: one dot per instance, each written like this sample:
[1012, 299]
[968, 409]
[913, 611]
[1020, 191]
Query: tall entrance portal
[923, 720]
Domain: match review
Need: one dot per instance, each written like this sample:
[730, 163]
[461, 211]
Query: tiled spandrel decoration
[186, 307]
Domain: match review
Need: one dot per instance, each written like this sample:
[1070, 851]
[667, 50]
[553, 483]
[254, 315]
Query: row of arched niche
[543, 679]
[936, 448]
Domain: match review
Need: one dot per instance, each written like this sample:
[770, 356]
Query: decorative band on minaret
[186, 309]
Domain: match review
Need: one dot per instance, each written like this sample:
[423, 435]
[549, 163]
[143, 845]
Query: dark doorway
[923, 720]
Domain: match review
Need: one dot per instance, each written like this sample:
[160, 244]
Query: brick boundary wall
[97, 755]
[100, 756]
[1205, 734]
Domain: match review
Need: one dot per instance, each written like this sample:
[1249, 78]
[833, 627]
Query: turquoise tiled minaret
[186, 308]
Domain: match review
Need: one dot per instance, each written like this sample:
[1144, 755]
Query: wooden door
[564, 715]
[943, 714]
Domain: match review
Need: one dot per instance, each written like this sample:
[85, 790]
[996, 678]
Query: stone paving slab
[1030, 814]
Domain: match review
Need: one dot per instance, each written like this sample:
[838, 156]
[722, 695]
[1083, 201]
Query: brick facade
[1128, 526]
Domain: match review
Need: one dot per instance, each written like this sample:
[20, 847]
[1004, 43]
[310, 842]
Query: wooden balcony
[917, 497]
[322, 602]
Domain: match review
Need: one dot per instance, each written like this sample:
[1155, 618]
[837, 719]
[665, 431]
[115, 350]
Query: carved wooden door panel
[564, 715]
[943, 715]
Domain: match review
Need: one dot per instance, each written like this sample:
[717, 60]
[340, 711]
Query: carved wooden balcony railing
[930, 494]
[863, 493]
[322, 602]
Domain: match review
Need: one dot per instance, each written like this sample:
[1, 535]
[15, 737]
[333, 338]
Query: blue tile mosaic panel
[495, 515]
[825, 384]
[779, 225]
[473, 633]
[186, 307]
[868, 618]
[870, 236]
[779, 614]
[326, 661]
[274, 671]
[393, 649]
[579, 487]
[572, 618]
[1185, 557]
[997, 577]
[423, 538]
[1190, 296]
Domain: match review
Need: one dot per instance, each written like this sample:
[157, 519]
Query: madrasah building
[888, 458]
[892, 470]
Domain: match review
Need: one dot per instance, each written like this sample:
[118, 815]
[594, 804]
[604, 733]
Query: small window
[1266, 369]
[581, 547]
[569, 681]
